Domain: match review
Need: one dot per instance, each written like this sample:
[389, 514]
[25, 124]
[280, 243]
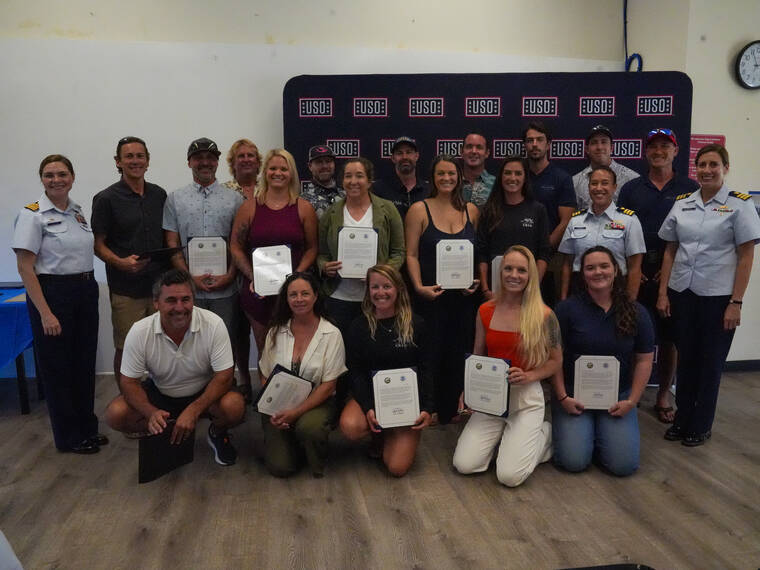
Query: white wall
[79, 75]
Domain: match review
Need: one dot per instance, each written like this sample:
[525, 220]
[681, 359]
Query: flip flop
[662, 413]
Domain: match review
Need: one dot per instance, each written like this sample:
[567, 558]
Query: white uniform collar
[720, 197]
[46, 204]
[609, 212]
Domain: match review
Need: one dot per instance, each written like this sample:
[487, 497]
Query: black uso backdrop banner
[361, 115]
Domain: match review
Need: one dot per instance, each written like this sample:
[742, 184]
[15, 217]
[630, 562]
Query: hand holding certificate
[357, 251]
[486, 386]
[282, 391]
[597, 379]
[271, 266]
[397, 400]
[207, 256]
[454, 263]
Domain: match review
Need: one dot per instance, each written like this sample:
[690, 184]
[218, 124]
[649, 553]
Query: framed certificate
[597, 379]
[271, 266]
[282, 391]
[207, 255]
[397, 399]
[357, 251]
[486, 386]
[454, 263]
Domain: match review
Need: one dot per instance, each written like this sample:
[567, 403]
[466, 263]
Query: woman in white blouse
[301, 340]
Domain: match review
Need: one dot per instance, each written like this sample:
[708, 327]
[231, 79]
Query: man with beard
[322, 190]
[126, 221]
[205, 208]
[187, 355]
[553, 187]
[405, 190]
[599, 151]
[478, 182]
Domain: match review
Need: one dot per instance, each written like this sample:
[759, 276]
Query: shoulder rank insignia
[34, 206]
[740, 195]
[625, 211]
[682, 196]
[579, 212]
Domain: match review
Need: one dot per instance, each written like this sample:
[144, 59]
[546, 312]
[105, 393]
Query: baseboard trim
[742, 366]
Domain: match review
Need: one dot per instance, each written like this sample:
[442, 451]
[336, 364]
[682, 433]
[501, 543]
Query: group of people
[626, 262]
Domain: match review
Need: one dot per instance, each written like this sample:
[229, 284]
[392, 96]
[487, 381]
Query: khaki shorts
[126, 311]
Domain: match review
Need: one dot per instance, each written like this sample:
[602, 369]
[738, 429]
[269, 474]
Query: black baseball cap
[202, 144]
[320, 151]
[599, 130]
[404, 140]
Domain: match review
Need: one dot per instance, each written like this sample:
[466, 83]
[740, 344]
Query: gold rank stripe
[740, 195]
[625, 211]
[682, 196]
[34, 206]
[579, 212]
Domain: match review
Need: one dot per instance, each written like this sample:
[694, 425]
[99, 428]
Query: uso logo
[426, 106]
[344, 148]
[626, 148]
[654, 105]
[315, 107]
[596, 107]
[449, 146]
[370, 106]
[567, 148]
[507, 147]
[385, 147]
[482, 106]
[540, 106]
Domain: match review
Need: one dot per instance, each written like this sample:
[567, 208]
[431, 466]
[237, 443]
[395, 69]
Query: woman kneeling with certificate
[305, 343]
[516, 326]
[387, 337]
[608, 345]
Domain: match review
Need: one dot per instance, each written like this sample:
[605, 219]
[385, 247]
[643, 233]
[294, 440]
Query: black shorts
[175, 406]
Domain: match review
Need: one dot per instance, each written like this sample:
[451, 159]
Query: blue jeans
[577, 438]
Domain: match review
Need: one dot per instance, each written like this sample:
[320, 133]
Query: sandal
[664, 413]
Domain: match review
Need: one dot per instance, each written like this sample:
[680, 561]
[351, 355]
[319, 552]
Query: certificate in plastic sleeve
[454, 263]
[597, 379]
[495, 276]
[486, 386]
[271, 266]
[207, 255]
[357, 251]
[282, 391]
[397, 399]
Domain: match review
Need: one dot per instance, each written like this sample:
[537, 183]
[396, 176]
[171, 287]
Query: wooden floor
[685, 508]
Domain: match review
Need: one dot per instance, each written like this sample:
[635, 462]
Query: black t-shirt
[553, 187]
[131, 225]
[397, 193]
[525, 224]
[364, 356]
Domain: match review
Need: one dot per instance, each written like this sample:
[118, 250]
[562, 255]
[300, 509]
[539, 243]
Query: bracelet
[735, 302]
[564, 397]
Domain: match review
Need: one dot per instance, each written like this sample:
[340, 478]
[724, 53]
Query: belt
[86, 276]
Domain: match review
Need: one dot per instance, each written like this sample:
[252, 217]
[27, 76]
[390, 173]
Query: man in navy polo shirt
[652, 196]
[126, 221]
[553, 187]
[405, 188]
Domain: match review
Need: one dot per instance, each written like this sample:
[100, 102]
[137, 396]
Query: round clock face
[748, 66]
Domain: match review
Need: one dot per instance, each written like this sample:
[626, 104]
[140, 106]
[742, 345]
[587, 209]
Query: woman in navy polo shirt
[603, 321]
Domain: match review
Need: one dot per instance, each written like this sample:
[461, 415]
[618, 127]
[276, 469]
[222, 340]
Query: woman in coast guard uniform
[54, 251]
[711, 236]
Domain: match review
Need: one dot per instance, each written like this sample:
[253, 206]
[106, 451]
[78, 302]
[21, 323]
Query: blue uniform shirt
[62, 240]
[707, 236]
[196, 211]
[553, 187]
[617, 229]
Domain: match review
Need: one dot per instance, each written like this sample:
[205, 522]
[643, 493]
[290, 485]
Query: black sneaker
[696, 439]
[224, 452]
[674, 433]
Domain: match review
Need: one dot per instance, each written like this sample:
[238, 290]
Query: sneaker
[224, 452]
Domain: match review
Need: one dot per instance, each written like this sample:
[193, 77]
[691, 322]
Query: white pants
[526, 439]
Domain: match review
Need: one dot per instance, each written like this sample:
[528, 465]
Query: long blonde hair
[294, 187]
[534, 340]
[403, 322]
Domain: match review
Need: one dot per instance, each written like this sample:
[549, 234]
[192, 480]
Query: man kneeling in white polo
[187, 354]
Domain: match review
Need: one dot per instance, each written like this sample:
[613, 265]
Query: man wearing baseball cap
[205, 208]
[599, 151]
[404, 189]
[322, 190]
[652, 196]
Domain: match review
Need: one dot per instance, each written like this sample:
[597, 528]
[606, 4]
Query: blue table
[15, 335]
